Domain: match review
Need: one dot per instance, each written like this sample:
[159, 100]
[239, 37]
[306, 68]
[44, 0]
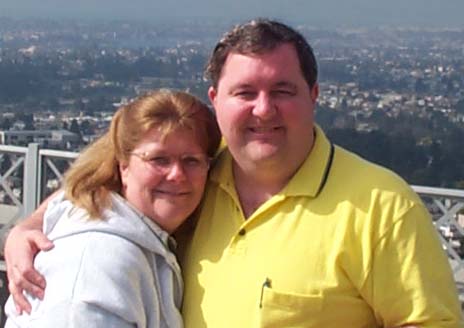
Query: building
[58, 139]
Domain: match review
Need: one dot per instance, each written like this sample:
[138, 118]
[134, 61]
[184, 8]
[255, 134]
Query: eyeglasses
[192, 164]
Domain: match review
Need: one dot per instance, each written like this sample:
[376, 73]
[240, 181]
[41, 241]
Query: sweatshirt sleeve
[79, 315]
[99, 280]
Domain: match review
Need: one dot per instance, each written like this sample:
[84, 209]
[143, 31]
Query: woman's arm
[23, 242]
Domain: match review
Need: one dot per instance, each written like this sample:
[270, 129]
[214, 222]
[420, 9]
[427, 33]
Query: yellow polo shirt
[345, 244]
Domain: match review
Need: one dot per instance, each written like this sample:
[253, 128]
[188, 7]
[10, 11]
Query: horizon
[330, 14]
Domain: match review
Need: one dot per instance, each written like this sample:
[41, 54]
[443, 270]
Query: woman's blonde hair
[95, 173]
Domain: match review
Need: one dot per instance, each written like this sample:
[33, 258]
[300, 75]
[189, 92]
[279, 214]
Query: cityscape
[387, 93]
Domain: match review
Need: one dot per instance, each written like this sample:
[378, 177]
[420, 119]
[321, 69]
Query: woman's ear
[123, 171]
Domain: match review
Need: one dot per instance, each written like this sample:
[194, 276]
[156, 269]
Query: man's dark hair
[260, 36]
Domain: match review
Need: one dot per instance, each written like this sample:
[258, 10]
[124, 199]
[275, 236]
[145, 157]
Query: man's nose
[264, 107]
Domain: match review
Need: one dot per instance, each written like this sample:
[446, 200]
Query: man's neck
[255, 188]
[256, 183]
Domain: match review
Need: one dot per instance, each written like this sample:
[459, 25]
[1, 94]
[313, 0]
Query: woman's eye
[191, 161]
[160, 161]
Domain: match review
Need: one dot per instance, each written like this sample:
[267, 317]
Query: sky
[330, 13]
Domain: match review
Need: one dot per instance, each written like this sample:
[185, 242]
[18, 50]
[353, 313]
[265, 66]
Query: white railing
[29, 174]
[447, 209]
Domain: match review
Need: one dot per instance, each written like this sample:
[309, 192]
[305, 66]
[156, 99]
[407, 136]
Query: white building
[61, 139]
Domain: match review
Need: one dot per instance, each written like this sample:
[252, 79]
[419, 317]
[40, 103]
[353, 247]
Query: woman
[112, 264]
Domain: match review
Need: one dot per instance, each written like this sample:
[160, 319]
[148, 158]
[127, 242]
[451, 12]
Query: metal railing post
[31, 179]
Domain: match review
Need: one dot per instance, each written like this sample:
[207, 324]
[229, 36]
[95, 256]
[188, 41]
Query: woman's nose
[176, 171]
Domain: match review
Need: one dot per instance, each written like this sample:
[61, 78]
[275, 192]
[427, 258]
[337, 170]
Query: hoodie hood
[121, 220]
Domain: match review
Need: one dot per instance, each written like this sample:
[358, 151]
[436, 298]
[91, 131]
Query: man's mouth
[265, 129]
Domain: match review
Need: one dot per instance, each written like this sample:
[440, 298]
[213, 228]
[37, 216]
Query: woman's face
[165, 178]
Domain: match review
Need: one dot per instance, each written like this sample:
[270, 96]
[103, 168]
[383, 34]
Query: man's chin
[265, 154]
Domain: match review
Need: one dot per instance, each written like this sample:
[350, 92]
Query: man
[294, 231]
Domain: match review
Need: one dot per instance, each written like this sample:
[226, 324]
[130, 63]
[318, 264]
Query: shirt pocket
[279, 309]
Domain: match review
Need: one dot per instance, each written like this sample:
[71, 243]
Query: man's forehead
[263, 51]
[279, 65]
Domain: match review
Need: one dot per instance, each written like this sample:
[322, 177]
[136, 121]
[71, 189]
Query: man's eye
[245, 94]
[284, 92]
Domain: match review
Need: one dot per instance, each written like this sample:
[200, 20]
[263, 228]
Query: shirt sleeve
[411, 281]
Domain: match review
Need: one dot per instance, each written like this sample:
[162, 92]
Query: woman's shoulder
[82, 256]
[95, 264]
[101, 248]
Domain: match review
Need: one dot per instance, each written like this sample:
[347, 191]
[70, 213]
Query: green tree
[460, 106]
[74, 127]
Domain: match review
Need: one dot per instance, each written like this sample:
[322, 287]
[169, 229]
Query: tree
[28, 120]
[74, 128]
[86, 127]
[460, 106]
[5, 124]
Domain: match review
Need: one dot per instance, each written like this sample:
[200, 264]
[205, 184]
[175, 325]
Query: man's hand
[22, 244]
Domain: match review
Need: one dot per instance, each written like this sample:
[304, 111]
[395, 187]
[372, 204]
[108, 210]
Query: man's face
[265, 109]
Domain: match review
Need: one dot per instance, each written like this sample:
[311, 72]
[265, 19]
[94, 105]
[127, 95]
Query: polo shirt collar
[307, 181]
[222, 173]
[311, 176]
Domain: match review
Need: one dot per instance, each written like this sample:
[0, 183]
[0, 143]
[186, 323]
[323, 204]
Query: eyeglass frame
[163, 163]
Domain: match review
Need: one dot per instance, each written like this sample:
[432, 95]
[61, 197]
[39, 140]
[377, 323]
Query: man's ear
[314, 92]
[212, 94]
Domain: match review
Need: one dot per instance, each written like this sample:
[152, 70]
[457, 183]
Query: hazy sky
[322, 12]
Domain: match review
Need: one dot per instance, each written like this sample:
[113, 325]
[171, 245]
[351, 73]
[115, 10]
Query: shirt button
[242, 232]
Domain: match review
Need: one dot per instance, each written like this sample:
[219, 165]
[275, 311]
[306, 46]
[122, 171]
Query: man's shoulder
[358, 173]
[357, 164]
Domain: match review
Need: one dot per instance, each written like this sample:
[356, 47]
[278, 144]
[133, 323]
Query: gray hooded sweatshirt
[116, 272]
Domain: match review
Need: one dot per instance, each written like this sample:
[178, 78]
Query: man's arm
[412, 282]
[23, 242]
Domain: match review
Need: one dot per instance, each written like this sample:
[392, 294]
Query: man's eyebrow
[239, 86]
[286, 84]
[242, 86]
[277, 84]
